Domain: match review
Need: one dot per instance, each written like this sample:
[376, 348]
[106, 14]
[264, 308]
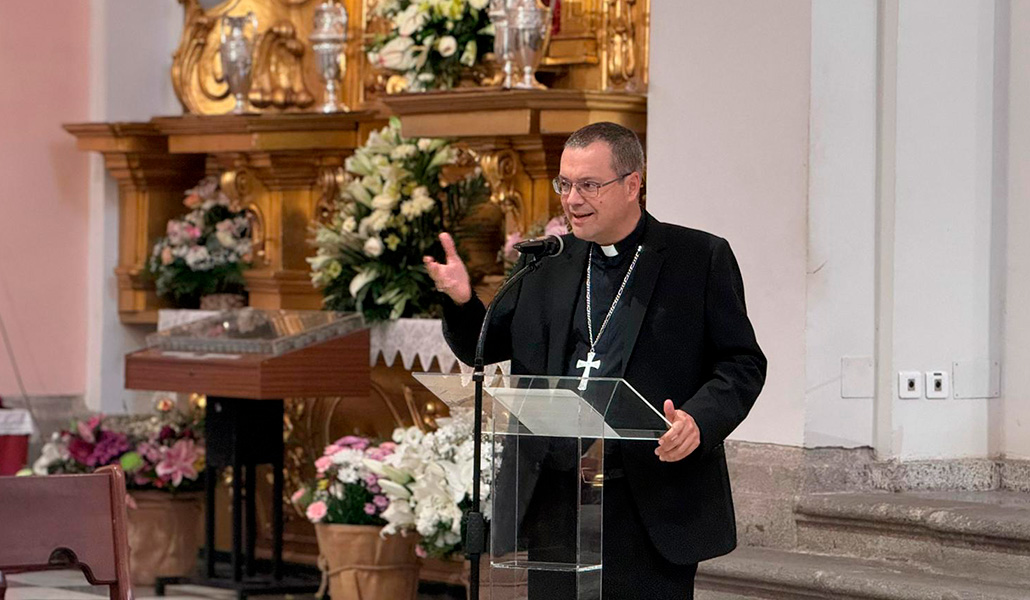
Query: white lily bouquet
[428, 480]
[399, 195]
[430, 42]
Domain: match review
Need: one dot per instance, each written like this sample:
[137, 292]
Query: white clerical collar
[610, 251]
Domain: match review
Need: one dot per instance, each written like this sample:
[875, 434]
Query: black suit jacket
[691, 342]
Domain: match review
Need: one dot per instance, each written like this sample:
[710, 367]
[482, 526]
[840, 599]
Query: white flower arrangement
[391, 209]
[428, 480]
[431, 42]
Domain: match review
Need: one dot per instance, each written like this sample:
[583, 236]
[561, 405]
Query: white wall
[840, 326]
[728, 153]
[1015, 419]
[943, 217]
[860, 211]
[130, 69]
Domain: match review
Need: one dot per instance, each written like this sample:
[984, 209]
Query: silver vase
[500, 13]
[530, 22]
[237, 53]
[327, 38]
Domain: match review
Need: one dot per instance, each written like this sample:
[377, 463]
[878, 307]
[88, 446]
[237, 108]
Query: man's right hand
[451, 277]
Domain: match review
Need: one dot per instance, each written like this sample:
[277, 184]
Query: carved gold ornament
[621, 50]
[330, 181]
[500, 168]
[278, 69]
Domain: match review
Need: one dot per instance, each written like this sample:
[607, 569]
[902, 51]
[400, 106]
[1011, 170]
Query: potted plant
[201, 259]
[347, 506]
[163, 458]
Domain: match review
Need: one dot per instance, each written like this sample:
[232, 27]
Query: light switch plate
[937, 385]
[910, 385]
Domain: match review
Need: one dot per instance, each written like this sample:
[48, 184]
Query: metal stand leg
[277, 521]
[237, 520]
[211, 486]
[251, 516]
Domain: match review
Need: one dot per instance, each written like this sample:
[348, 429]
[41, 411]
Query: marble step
[983, 532]
[751, 573]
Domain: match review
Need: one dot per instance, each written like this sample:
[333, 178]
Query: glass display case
[256, 331]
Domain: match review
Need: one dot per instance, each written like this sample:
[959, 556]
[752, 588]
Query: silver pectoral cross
[587, 365]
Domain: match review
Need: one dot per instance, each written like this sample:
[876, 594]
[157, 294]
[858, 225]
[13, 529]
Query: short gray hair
[627, 153]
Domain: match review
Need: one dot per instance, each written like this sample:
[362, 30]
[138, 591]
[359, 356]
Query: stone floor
[71, 585]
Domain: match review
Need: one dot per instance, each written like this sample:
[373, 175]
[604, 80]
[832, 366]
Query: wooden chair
[67, 522]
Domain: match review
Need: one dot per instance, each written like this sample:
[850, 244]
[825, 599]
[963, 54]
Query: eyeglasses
[587, 189]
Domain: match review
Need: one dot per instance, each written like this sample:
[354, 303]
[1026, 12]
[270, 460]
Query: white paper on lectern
[553, 412]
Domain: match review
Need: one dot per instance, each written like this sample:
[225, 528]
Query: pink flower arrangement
[156, 452]
[205, 251]
[344, 489]
[179, 462]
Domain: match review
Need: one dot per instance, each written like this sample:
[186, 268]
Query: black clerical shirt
[606, 276]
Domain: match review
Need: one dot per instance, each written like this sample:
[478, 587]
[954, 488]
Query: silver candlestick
[237, 52]
[327, 39]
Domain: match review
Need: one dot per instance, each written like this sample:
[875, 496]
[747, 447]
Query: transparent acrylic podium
[547, 475]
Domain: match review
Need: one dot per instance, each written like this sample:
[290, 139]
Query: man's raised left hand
[682, 438]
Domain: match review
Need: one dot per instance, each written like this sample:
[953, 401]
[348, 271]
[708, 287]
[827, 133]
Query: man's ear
[635, 184]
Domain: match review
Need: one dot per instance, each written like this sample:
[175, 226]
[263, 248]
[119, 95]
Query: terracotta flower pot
[164, 534]
[359, 564]
[222, 301]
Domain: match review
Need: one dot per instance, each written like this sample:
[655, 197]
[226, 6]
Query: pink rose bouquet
[345, 490]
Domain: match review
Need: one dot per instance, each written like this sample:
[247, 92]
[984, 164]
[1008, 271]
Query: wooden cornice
[262, 132]
[475, 99]
[118, 137]
[495, 112]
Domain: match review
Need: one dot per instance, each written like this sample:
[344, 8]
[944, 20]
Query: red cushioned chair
[67, 522]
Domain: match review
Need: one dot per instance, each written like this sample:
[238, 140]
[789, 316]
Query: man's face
[612, 214]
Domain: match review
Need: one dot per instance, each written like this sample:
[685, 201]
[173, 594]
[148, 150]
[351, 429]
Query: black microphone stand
[475, 533]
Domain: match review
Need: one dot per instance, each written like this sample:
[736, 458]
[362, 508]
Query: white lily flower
[363, 278]
[394, 489]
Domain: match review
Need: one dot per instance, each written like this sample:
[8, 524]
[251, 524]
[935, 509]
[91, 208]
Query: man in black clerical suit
[667, 314]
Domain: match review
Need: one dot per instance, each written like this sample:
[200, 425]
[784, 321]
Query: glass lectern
[547, 478]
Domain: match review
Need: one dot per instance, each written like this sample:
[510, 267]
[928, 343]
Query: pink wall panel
[44, 82]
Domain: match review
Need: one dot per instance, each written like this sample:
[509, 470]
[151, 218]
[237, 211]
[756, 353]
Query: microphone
[550, 245]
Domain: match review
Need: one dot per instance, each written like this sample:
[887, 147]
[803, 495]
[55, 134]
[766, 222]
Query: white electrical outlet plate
[910, 384]
[937, 385]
